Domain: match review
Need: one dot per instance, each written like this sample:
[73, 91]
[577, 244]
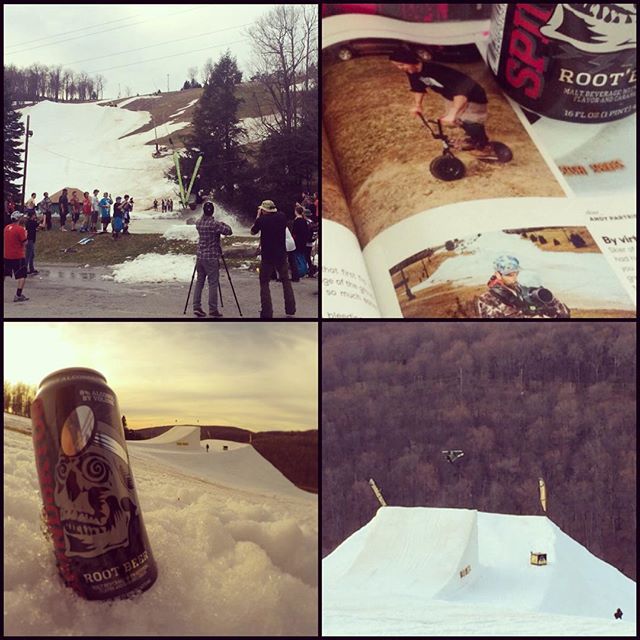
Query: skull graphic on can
[90, 502]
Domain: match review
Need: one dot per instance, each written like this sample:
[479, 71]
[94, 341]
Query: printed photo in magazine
[426, 163]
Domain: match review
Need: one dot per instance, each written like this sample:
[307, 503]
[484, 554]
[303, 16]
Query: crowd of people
[288, 242]
[83, 214]
[165, 205]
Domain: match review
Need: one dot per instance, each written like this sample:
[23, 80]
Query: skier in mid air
[451, 455]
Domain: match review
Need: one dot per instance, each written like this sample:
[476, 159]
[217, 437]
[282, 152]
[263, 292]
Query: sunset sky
[259, 376]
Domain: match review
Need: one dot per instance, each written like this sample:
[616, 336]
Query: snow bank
[230, 563]
[154, 267]
[182, 232]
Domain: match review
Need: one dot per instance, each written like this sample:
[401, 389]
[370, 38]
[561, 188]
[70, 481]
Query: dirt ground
[254, 100]
[449, 301]
[75, 292]
[334, 205]
[383, 153]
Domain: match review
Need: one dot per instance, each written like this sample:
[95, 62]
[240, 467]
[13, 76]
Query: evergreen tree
[13, 135]
[216, 130]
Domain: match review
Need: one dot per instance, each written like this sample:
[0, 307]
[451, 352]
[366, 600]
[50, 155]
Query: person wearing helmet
[507, 298]
[208, 260]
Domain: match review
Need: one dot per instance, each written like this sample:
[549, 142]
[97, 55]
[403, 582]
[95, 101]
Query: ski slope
[581, 280]
[240, 467]
[403, 574]
[231, 562]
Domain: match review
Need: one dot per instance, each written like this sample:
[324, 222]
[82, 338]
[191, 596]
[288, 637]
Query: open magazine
[492, 213]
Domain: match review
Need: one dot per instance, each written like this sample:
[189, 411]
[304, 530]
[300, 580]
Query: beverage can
[572, 62]
[90, 504]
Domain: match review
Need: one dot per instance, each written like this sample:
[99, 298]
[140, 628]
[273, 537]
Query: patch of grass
[104, 250]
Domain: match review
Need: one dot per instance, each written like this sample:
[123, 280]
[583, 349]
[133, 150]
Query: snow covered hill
[232, 559]
[108, 145]
[427, 571]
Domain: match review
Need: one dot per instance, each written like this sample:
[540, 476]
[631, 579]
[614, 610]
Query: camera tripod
[224, 262]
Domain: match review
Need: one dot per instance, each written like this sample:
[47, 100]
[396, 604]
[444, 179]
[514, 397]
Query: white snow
[154, 267]
[181, 111]
[182, 232]
[404, 573]
[231, 561]
[82, 145]
[254, 127]
[580, 280]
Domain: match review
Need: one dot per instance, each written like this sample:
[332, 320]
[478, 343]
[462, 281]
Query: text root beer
[573, 62]
[89, 499]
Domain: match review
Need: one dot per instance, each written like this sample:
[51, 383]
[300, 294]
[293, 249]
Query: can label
[573, 62]
[90, 502]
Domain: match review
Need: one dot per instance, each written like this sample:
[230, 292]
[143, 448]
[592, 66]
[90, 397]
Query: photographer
[507, 298]
[271, 224]
[208, 260]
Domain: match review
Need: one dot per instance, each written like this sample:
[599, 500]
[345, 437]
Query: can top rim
[72, 371]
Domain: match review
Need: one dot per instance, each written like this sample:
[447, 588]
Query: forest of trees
[284, 163]
[522, 400]
[18, 397]
[40, 82]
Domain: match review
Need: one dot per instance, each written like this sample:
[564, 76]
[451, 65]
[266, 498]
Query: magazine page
[346, 289]
[594, 158]
[564, 258]
[394, 159]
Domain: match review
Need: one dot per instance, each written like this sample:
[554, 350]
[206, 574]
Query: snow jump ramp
[409, 549]
[183, 437]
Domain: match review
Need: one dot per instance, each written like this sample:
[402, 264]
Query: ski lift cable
[93, 164]
[100, 32]
[173, 55]
[160, 44]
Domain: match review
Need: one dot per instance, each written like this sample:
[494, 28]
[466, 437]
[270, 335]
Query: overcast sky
[99, 38]
[259, 376]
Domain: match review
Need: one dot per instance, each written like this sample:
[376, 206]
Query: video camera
[537, 299]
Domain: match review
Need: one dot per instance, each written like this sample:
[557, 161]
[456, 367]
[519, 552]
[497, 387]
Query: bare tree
[100, 82]
[284, 46]
[127, 92]
[207, 70]
[192, 72]
[55, 82]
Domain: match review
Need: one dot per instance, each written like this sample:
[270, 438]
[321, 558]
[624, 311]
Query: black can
[90, 503]
[573, 62]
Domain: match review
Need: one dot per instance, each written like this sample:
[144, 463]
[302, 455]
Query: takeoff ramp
[408, 550]
[183, 437]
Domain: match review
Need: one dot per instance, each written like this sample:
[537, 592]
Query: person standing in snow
[76, 206]
[86, 210]
[31, 225]
[105, 209]
[127, 208]
[155, 204]
[208, 452]
[30, 204]
[271, 224]
[618, 614]
[45, 207]
[117, 223]
[95, 208]
[63, 204]
[208, 260]
[15, 239]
